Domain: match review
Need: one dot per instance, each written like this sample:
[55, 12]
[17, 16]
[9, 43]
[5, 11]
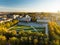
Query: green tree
[14, 41]
[3, 40]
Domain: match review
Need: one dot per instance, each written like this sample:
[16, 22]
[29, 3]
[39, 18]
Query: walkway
[35, 24]
[34, 28]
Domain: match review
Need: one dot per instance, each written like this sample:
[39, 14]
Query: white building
[15, 16]
[1, 21]
[45, 19]
[8, 20]
[4, 18]
[21, 16]
[26, 18]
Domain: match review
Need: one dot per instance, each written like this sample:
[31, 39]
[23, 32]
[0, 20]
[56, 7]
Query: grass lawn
[26, 28]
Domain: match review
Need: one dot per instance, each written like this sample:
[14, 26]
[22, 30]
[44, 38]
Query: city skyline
[29, 5]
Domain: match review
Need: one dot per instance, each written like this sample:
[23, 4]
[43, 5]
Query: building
[44, 19]
[15, 16]
[1, 21]
[20, 16]
[27, 18]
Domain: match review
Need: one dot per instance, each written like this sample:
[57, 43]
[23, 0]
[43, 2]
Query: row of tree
[12, 37]
[54, 33]
[6, 25]
[23, 38]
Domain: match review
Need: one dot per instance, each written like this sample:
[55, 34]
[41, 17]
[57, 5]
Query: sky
[29, 5]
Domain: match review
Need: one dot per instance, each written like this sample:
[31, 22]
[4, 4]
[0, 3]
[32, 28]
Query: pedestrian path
[34, 28]
[35, 24]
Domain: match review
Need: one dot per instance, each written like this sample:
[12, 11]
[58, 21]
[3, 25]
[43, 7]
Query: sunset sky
[30, 5]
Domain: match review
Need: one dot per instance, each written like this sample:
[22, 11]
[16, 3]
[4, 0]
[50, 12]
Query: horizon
[29, 5]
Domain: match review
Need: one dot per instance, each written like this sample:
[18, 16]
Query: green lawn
[26, 28]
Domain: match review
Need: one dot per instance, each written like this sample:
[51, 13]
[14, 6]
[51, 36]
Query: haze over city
[29, 5]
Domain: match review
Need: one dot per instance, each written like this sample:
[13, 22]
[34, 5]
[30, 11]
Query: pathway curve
[12, 27]
[33, 24]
